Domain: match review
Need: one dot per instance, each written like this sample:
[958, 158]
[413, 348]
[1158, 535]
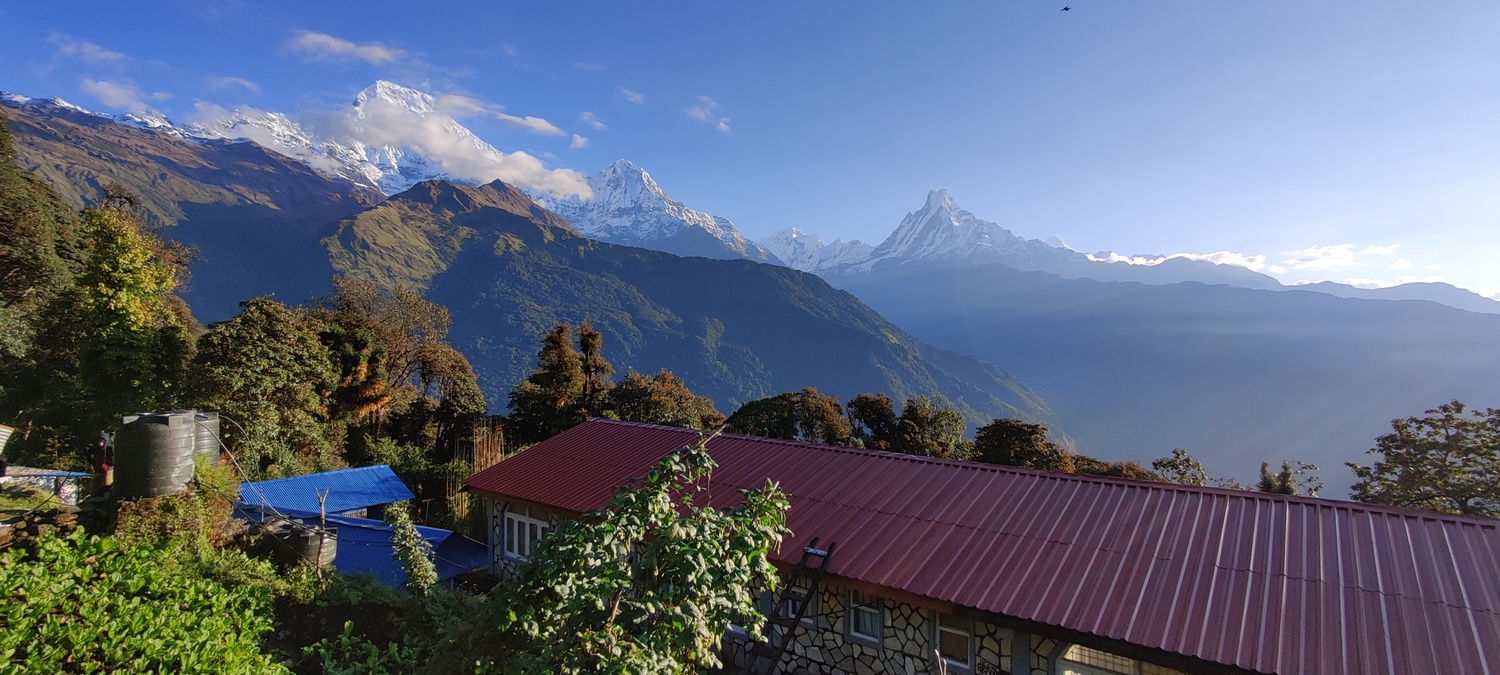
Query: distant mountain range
[507, 268]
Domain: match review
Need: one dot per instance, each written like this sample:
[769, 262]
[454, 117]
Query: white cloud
[325, 47]
[1253, 262]
[1276, 269]
[83, 50]
[230, 82]
[1434, 267]
[589, 119]
[121, 95]
[1380, 250]
[535, 125]
[1321, 258]
[1400, 264]
[384, 123]
[707, 110]
[632, 96]
[458, 105]
[578, 142]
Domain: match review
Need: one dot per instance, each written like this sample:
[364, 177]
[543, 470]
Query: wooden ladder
[766, 653]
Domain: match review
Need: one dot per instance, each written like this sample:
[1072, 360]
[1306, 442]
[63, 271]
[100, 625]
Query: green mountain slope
[735, 330]
[253, 215]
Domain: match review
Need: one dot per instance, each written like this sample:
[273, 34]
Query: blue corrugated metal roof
[348, 490]
[364, 546]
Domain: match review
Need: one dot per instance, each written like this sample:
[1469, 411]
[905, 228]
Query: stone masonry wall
[823, 646]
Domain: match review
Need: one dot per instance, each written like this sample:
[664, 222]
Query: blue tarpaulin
[364, 545]
[348, 490]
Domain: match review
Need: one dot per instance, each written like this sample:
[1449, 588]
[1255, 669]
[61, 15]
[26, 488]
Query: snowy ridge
[629, 208]
[803, 251]
[940, 230]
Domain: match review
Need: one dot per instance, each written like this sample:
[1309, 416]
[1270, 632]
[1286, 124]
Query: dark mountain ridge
[1234, 375]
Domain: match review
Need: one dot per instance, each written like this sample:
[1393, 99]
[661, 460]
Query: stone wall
[823, 645]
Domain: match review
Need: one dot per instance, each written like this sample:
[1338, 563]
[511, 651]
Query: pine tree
[548, 402]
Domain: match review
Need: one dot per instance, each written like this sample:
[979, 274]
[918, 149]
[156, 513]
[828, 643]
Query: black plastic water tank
[206, 436]
[153, 454]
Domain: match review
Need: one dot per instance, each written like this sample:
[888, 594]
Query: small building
[363, 545]
[997, 569]
[359, 492]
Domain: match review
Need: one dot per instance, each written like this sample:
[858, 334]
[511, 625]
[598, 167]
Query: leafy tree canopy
[1016, 443]
[268, 370]
[662, 398]
[1446, 460]
[795, 415]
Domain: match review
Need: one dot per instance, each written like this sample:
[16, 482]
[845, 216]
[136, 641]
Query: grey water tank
[206, 436]
[154, 454]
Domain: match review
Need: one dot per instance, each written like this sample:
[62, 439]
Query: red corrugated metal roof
[1265, 583]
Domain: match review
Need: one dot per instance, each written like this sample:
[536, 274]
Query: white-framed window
[955, 642]
[866, 618]
[522, 534]
[796, 595]
[1080, 660]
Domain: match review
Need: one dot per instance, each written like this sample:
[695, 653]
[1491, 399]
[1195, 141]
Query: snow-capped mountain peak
[807, 252]
[628, 207]
[409, 99]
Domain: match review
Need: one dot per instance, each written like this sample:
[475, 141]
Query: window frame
[514, 522]
[860, 602]
[810, 619]
[937, 637]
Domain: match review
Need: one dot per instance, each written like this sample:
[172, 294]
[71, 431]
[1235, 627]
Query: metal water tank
[153, 454]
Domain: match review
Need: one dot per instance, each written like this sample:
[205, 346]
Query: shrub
[85, 604]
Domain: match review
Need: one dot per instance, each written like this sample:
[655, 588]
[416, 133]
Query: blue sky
[1318, 140]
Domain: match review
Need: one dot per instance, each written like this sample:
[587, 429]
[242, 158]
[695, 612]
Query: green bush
[86, 604]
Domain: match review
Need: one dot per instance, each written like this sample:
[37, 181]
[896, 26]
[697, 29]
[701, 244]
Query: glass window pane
[954, 646]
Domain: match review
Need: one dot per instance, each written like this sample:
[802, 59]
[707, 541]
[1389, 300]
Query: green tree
[111, 340]
[1083, 464]
[872, 421]
[931, 429]
[596, 371]
[1283, 482]
[547, 403]
[647, 585]
[1016, 443]
[1181, 468]
[1447, 460]
[807, 415]
[662, 399]
[268, 370]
